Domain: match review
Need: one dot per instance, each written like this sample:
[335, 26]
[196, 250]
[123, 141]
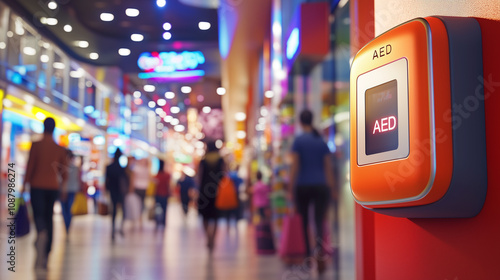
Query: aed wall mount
[418, 144]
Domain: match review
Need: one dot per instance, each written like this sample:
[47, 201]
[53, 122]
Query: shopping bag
[132, 206]
[265, 239]
[102, 204]
[227, 198]
[292, 244]
[22, 219]
[79, 206]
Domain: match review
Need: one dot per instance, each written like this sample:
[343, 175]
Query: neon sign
[168, 62]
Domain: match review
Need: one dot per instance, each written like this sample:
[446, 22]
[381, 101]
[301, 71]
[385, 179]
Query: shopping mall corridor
[178, 253]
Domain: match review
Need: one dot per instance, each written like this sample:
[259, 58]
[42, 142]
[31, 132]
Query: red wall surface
[447, 249]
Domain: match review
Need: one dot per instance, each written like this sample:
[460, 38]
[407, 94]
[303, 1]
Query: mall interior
[161, 79]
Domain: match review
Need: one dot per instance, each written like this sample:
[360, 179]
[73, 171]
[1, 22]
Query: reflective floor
[178, 252]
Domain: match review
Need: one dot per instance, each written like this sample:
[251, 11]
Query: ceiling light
[76, 74]
[46, 45]
[124, 52]
[136, 37]
[276, 28]
[161, 102]
[161, 3]
[175, 109]
[68, 28]
[221, 91]
[40, 116]
[29, 51]
[186, 89]
[131, 12]
[82, 44]
[107, 17]
[2, 45]
[168, 118]
[58, 65]
[169, 95]
[240, 134]
[203, 25]
[167, 35]
[269, 94]
[52, 5]
[137, 94]
[138, 101]
[263, 111]
[179, 128]
[94, 56]
[174, 121]
[7, 103]
[158, 110]
[10, 33]
[159, 126]
[167, 26]
[240, 116]
[149, 88]
[206, 109]
[51, 21]
[151, 104]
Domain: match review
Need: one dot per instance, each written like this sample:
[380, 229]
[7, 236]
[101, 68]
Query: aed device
[418, 144]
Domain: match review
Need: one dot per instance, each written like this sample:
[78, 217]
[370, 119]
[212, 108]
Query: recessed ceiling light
[94, 56]
[136, 37]
[29, 51]
[240, 134]
[149, 88]
[269, 94]
[204, 25]
[161, 102]
[2, 45]
[167, 35]
[44, 58]
[206, 109]
[124, 52]
[169, 95]
[151, 104]
[240, 116]
[137, 94]
[174, 121]
[186, 89]
[221, 91]
[58, 65]
[161, 3]
[107, 17]
[68, 28]
[51, 21]
[175, 109]
[131, 12]
[52, 5]
[167, 26]
[82, 44]
[179, 128]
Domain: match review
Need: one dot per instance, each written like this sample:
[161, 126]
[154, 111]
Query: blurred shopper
[311, 180]
[45, 172]
[162, 181]
[74, 183]
[185, 185]
[260, 197]
[117, 183]
[238, 212]
[210, 172]
[140, 181]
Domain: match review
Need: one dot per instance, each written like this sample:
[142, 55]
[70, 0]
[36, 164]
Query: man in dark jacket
[117, 185]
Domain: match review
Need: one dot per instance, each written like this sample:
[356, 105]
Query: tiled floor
[177, 253]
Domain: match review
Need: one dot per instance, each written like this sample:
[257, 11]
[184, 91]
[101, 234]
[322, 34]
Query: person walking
[117, 183]
[140, 181]
[162, 181]
[185, 185]
[210, 172]
[74, 183]
[311, 180]
[46, 174]
[260, 197]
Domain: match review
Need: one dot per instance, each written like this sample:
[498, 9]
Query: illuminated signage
[381, 118]
[292, 44]
[167, 62]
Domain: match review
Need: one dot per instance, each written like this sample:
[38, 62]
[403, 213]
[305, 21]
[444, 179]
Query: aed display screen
[381, 118]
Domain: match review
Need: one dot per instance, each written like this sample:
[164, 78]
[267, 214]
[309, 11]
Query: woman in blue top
[311, 179]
